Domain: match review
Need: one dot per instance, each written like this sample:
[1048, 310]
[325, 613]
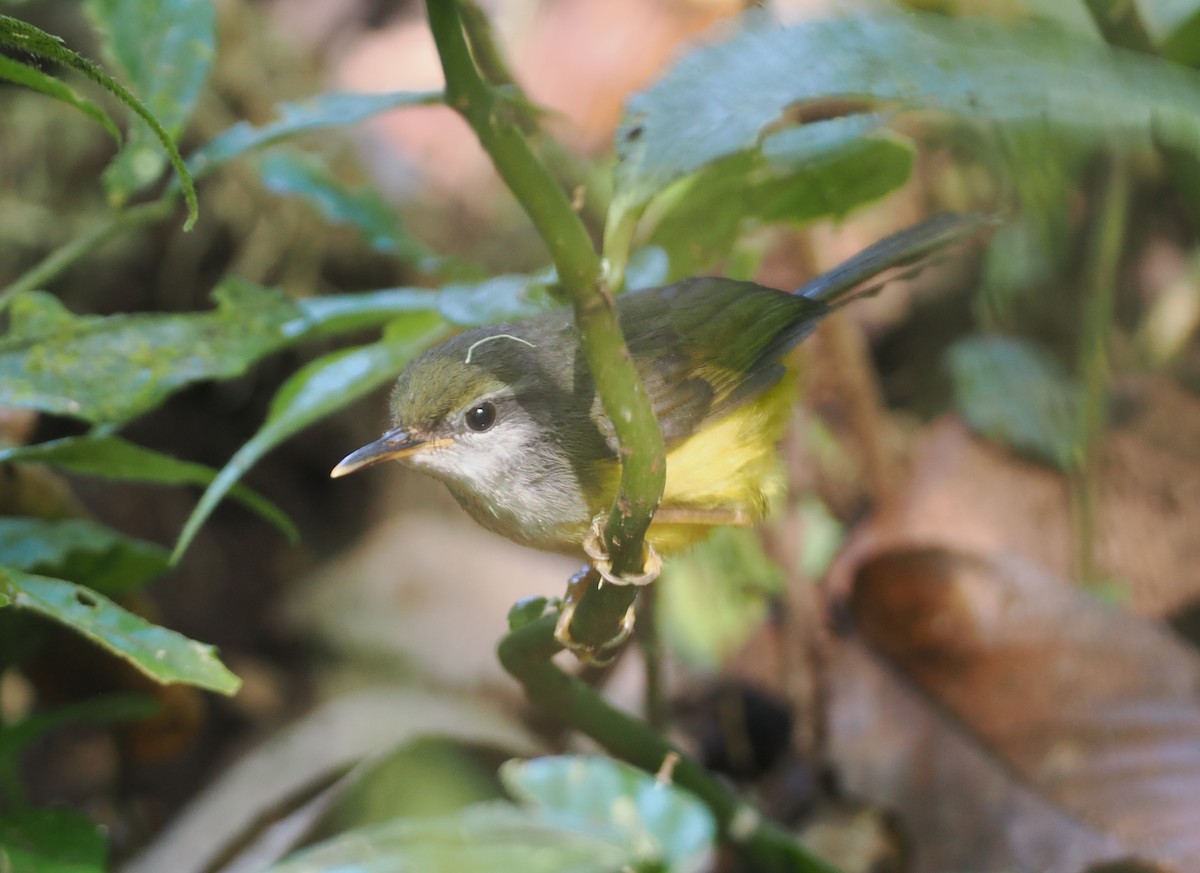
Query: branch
[1093, 368]
[526, 654]
[643, 467]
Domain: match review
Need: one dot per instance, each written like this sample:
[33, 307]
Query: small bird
[508, 417]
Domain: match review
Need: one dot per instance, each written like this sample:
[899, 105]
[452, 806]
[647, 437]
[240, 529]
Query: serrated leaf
[335, 109]
[166, 48]
[292, 173]
[1011, 391]
[655, 819]
[51, 841]
[109, 369]
[80, 551]
[23, 74]
[112, 457]
[316, 390]
[498, 838]
[719, 100]
[163, 655]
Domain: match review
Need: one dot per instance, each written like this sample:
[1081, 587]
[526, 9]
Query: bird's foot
[593, 545]
[593, 655]
[601, 565]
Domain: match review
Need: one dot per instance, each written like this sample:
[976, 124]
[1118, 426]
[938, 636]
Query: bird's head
[463, 413]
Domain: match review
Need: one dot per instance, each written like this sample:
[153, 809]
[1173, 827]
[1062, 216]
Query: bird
[508, 417]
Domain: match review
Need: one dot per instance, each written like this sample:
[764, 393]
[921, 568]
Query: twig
[58, 260]
[526, 654]
[1100, 284]
[643, 469]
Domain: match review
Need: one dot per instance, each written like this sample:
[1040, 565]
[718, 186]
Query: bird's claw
[593, 545]
[594, 656]
[601, 563]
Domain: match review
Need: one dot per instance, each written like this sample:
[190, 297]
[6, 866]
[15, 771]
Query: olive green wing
[705, 346]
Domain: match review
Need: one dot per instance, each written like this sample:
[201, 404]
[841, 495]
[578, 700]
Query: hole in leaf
[825, 109]
[86, 599]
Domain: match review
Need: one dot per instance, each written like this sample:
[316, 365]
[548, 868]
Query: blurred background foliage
[966, 641]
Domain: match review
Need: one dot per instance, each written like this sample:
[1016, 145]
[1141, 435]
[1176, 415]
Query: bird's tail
[898, 256]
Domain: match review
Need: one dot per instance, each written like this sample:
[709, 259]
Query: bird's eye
[481, 416]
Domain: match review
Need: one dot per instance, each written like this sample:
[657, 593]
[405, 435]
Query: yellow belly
[726, 473]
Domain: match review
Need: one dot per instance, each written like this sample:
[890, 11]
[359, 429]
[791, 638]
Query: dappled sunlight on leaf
[68, 365]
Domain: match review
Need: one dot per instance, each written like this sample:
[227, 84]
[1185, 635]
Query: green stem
[1094, 370]
[1119, 23]
[526, 654]
[654, 698]
[487, 55]
[643, 468]
[58, 260]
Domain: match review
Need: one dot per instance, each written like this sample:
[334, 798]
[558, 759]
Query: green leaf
[112, 457]
[318, 389]
[1011, 391]
[467, 304]
[498, 298]
[823, 169]
[81, 551]
[1071, 15]
[526, 611]
[165, 48]
[109, 369]
[498, 838]
[714, 596]
[1173, 26]
[1030, 248]
[293, 173]
[342, 313]
[655, 820]
[719, 100]
[335, 109]
[823, 536]
[163, 655]
[20, 35]
[51, 841]
[22, 74]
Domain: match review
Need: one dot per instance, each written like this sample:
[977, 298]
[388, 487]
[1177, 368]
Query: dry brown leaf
[968, 493]
[1094, 707]
[958, 806]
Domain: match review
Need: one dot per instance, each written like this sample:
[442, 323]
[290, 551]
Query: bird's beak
[394, 444]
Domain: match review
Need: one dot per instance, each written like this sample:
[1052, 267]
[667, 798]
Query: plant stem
[643, 468]
[64, 256]
[487, 56]
[654, 698]
[526, 654]
[1100, 284]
